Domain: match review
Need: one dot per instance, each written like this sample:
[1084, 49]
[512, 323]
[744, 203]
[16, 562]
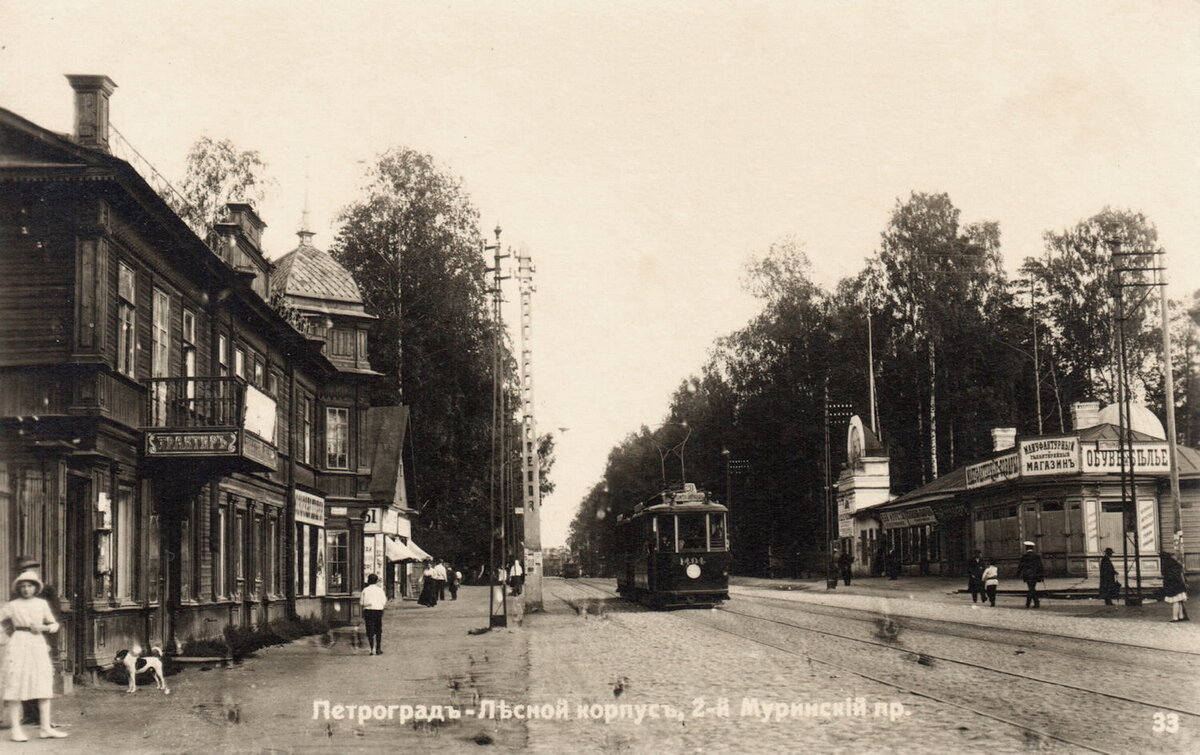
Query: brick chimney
[1003, 438]
[91, 109]
[1085, 414]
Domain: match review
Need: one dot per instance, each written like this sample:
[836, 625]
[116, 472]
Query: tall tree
[412, 243]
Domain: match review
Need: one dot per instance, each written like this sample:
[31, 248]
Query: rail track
[1189, 718]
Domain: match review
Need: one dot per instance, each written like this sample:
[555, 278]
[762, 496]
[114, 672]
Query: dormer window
[341, 343]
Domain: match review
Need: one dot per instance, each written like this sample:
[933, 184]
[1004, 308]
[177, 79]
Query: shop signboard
[1000, 469]
[1049, 456]
[310, 509]
[907, 517]
[1104, 457]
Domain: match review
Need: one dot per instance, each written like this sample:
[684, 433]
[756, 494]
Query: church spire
[305, 233]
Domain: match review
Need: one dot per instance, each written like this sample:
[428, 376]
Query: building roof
[311, 273]
[1188, 460]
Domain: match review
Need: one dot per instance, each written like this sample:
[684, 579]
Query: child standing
[28, 673]
[991, 580]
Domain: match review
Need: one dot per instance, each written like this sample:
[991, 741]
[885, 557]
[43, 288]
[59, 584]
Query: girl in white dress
[28, 673]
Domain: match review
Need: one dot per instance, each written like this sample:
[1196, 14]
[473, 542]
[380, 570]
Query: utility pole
[531, 479]
[833, 412]
[497, 484]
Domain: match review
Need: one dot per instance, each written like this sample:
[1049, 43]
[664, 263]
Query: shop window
[126, 321]
[337, 438]
[301, 560]
[338, 548]
[314, 559]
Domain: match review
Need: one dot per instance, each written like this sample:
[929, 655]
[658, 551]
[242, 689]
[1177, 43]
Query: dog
[135, 663]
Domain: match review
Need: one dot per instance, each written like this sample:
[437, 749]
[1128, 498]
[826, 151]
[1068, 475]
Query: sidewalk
[267, 703]
[938, 598]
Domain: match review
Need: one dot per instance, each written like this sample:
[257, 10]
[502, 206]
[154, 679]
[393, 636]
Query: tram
[675, 550]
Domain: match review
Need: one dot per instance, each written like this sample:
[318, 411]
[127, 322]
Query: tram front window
[691, 532]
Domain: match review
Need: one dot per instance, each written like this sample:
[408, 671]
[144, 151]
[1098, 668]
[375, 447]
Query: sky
[643, 152]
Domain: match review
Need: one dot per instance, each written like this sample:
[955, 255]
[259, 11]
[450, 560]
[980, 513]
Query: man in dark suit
[1029, 569]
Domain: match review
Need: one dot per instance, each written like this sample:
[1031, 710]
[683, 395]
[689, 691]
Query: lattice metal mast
[531, 495]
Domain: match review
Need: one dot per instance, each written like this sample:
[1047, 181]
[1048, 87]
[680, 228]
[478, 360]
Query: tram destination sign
[1049, 456]
[999, 469]
[1104, 457]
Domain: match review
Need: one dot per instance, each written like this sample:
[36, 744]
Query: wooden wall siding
[36, 296]
[29, 392]
[90, 275]
[120, 401]
[338, 486]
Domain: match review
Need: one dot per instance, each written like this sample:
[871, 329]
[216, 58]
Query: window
[223, 355]
[218, 562]
[126, 321]
[1052, 506]
[239, 362]
[337, 438]
[692, 536]
[716, 532]
[362, 343]
[126, 535]
[260, 372]
[338, 545]
[239, 532]
[273, 555]
[301, 559]
[306, 430]
[189, 351]
[341, 344]
[160, 349]
[666, 534]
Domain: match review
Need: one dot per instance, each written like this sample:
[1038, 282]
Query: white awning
[396, 550]
[420, 552]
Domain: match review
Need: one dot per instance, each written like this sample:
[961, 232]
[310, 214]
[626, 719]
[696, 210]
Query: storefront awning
[418, 551]
[396, 550]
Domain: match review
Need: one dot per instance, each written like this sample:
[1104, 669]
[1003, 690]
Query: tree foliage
[218, 172]
[954, 356]
[413, 244]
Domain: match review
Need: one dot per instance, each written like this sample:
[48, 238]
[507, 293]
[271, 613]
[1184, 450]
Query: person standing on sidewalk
[1030, 570]
[1109, 586]
[975, 578]
[516, 577]
[28, 673]
[428, 587]
[455, 581]
[844, 561]
[373, 601]
[893, 564]
[991, 581]
[439, 574]
[1174, 587]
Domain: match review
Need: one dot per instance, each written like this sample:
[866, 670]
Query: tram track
[926, 659]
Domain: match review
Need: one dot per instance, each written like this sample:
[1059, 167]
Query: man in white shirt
[439, 574]
[373, 601]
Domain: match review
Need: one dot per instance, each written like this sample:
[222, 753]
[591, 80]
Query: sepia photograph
[642, 376]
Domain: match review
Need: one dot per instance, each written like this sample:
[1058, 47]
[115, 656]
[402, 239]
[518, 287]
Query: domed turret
[1141, 419]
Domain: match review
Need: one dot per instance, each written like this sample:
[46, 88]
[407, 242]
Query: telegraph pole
[497, 483]
[531, 480]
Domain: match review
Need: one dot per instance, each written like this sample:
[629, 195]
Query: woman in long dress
[1110, 588]
[1174, 588]
[428, 587]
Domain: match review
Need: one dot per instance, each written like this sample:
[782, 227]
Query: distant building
[1062, 492]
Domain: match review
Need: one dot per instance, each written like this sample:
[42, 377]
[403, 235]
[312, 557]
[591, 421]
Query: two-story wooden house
[180, 449]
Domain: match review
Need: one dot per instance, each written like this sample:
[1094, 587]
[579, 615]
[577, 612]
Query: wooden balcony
[220, 419]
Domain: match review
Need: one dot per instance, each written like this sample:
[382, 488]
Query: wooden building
[181, 449]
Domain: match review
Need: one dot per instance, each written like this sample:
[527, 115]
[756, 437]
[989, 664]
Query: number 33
[1166, 722]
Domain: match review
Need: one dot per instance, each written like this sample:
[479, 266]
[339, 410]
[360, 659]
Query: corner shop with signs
[1062, 492]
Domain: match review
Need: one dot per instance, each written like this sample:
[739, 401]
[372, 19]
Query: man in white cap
[1030, 570]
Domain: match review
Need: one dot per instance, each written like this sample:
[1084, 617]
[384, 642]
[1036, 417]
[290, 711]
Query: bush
[205, 649]
[240, 642]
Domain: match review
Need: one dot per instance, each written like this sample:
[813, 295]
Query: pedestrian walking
[28, 673]
[439, 575]
[893, 564]
[991, 581]
[975, 578]
[455, 581]
[844, 562]
[428, 587]
[1110, 588]
[1029, 569]
[516, 577]
[1174, 586]
[374, 599]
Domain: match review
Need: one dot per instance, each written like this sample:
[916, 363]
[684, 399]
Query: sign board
[907, 517]
[373, 521]
[1049, 456]
[999, 469]
[310, 509]
[338, 511]
[257, 449]
[259, 414]
[1105, 457]
[192, 443]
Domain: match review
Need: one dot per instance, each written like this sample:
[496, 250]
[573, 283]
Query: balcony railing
[195, 402]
